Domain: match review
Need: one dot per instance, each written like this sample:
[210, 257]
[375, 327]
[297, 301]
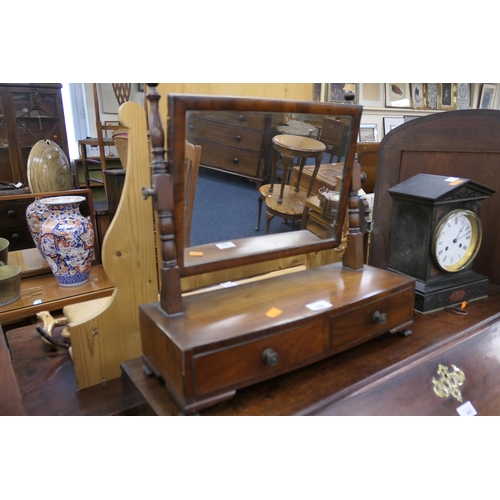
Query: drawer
[19, 237]
[218, 369]
[231, 159]
[358, 325]
[13, 212]
[237, 137]
[255, 121]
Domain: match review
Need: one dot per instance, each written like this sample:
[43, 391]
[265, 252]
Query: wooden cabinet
[29, 112]
[234, 143]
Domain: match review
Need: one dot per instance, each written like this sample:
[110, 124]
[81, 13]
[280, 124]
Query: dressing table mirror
[205, 346]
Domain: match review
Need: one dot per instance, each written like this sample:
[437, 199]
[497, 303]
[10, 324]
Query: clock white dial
[456, 241]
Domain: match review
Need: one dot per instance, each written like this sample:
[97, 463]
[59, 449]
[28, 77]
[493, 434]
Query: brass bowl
[10, 284]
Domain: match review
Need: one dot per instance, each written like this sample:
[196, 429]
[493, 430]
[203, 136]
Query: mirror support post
[162, 182]
[354, 254]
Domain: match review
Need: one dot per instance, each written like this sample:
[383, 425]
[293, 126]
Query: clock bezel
[475, 244]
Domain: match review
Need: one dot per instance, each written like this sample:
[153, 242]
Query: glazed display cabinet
[29, 112]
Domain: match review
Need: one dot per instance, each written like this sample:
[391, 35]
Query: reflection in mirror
[247, 139]
[247, 147]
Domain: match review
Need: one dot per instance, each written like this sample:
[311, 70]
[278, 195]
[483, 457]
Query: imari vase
[67, 240]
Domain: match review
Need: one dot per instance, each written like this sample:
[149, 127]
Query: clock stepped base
[430, 297]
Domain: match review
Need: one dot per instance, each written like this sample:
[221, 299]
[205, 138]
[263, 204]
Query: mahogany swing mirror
[186, 112]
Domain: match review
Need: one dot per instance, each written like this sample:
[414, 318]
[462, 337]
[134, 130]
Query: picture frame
[372, 94]
[463, 95]
[397, 95]
[391, 122]
[488, 96]
[336, 92]
[447, 95]
[318, 92]
[368, 132]
[431, 95]
[417, 95]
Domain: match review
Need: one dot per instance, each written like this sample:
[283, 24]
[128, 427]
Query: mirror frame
[278, 246]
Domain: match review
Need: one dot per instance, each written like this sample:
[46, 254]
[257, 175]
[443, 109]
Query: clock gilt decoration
[436, 234]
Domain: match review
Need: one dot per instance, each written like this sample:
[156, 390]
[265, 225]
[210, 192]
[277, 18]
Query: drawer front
[231, 159]
[355, 326]
[13, 213]
[216, 370]
[243, 119]
[19, 237]
[236, 137]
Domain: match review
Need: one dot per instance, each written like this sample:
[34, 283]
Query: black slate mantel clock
[435, 236]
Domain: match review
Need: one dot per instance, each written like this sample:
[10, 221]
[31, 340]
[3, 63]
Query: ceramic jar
[36, 214]
[67, 240]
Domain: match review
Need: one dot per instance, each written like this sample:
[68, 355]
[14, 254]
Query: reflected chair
[335, 136]
[192, 164]
[288, 202]
[103, 141]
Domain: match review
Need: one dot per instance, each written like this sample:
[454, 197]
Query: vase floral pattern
[36, 214]
[67, 240]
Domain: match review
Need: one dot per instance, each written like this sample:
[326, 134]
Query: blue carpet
[225, 209]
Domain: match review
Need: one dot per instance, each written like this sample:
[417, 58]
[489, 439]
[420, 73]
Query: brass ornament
[449, 382]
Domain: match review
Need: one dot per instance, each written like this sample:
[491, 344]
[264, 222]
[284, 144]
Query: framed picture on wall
[372, 94]
[368, 132]
[463, 95]
[397, 95]
[391, 122]
[447, 93]
[336, 91]
[417, 95]
[317, 92]
[431, 96]
[488, 95]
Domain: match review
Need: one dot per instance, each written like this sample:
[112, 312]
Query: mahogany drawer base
[231, 338]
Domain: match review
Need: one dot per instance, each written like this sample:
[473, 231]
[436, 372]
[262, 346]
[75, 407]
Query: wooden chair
[335, 135]
[192, 165]
[367, 153]
[289, 202]
[103, 140]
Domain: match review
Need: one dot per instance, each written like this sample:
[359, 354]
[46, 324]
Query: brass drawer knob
[238, 137]
[236, 160]
[379, 317]
[270, 357]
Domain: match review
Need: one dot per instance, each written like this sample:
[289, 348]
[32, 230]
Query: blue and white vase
[67, 240]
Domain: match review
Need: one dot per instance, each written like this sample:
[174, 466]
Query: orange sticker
[196, 254]
[464, 304]
[457, 182]
[273, 312]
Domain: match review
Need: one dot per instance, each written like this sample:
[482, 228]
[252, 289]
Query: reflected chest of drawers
[239, 144]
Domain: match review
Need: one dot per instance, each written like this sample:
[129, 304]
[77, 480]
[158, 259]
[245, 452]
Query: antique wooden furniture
[436, 234]
[234, 144]
[208, 345]
[328, 176]
[29, 112]
[103, 140]
[106, 332]
[288, 200]
[458, 144]
[193, 156]
[335, 134]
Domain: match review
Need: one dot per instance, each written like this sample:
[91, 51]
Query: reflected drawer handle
[379, 317]
[241, 118]
[238, 137]
[15, 237]
[236, 160]
[12, 214]
[270, 357]
[191, 127]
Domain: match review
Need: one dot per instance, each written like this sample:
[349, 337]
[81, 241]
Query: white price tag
[466, 410]
[228, 284]
[320, 304]
[451, 179]
[226, 244]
